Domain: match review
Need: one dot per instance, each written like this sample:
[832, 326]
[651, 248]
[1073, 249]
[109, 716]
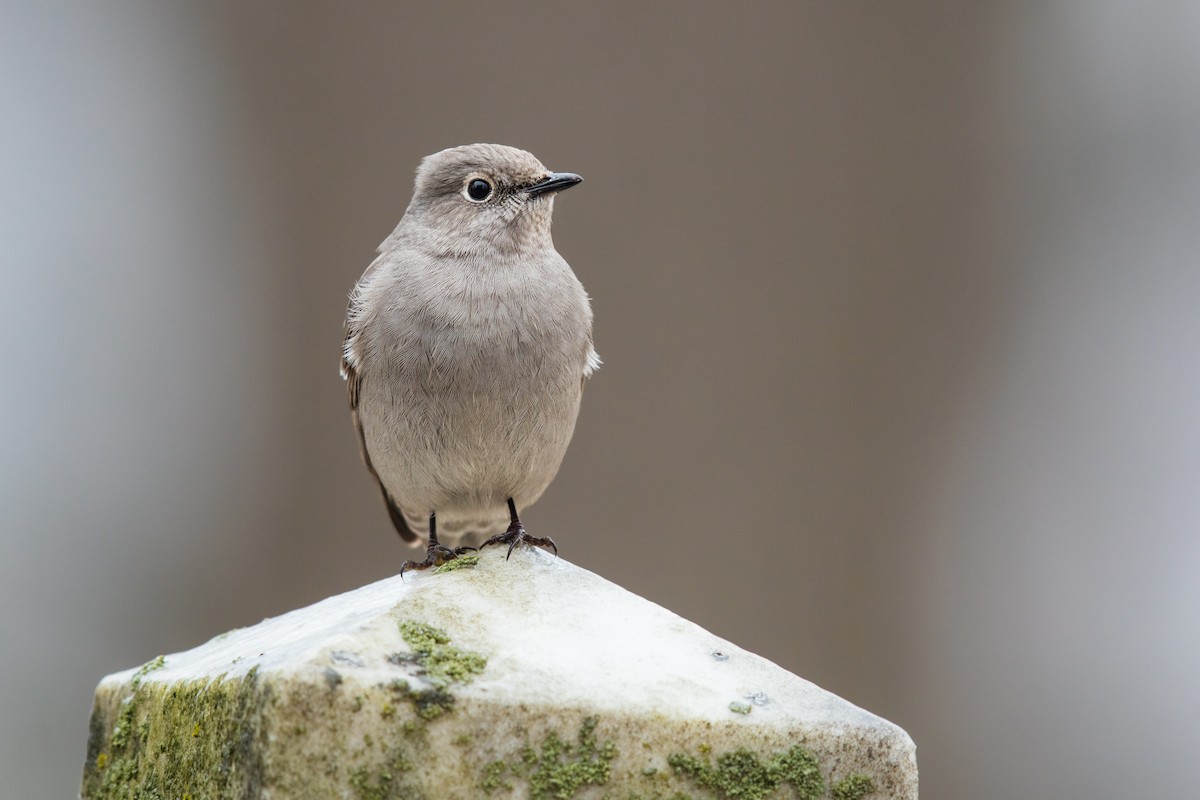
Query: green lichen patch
[558, 769]
[438, 661]
[493, 777]
[150, 666]
[429, 703]
[462, 562]
[743, 775]
[853, 787]
[385, 782]
[197, 739]
[321, 747]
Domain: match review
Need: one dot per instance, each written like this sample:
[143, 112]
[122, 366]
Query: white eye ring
[478, 189]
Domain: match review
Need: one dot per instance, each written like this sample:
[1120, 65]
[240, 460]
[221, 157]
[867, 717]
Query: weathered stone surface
[528, 678]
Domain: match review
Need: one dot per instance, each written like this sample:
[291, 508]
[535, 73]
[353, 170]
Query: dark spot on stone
[403, 659]
[347, 659]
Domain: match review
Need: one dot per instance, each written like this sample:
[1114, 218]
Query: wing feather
[353, 390]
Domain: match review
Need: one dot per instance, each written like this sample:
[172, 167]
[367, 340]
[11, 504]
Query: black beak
[556, 182]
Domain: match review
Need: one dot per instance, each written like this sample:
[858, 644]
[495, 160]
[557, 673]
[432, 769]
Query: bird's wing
[353, 387]
[591, 363]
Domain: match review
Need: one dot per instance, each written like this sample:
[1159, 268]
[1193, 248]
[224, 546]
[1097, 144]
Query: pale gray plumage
[467, 344]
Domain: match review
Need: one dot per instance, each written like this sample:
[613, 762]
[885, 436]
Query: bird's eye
[479, 190]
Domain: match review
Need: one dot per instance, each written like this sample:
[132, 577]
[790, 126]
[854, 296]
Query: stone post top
[530, 664]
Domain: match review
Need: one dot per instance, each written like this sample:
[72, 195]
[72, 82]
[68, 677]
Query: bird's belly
[460, 442]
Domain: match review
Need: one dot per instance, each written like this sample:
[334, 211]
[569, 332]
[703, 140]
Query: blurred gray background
[899, 306]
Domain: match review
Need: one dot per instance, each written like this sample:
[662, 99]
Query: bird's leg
[436, 554]
[516, 534]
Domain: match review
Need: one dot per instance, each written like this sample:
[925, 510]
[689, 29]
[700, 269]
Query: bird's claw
[516, 535]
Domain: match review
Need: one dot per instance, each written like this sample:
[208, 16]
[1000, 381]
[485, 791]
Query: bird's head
[481, 197]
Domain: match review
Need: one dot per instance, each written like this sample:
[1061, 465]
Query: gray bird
[468, 341]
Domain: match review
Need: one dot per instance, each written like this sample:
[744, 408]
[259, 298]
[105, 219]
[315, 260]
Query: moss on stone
[328, 760]
[853, 787]
[743, 775]
[462, 562]
[384, 782]
[197, 738]
[493, 777]
[421, 637]
[799, 768]
[558, 769]
[153, 664]
[429, 703]
[438, 661]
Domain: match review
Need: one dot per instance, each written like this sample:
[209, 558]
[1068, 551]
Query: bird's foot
[435, 556]
[516, 535]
